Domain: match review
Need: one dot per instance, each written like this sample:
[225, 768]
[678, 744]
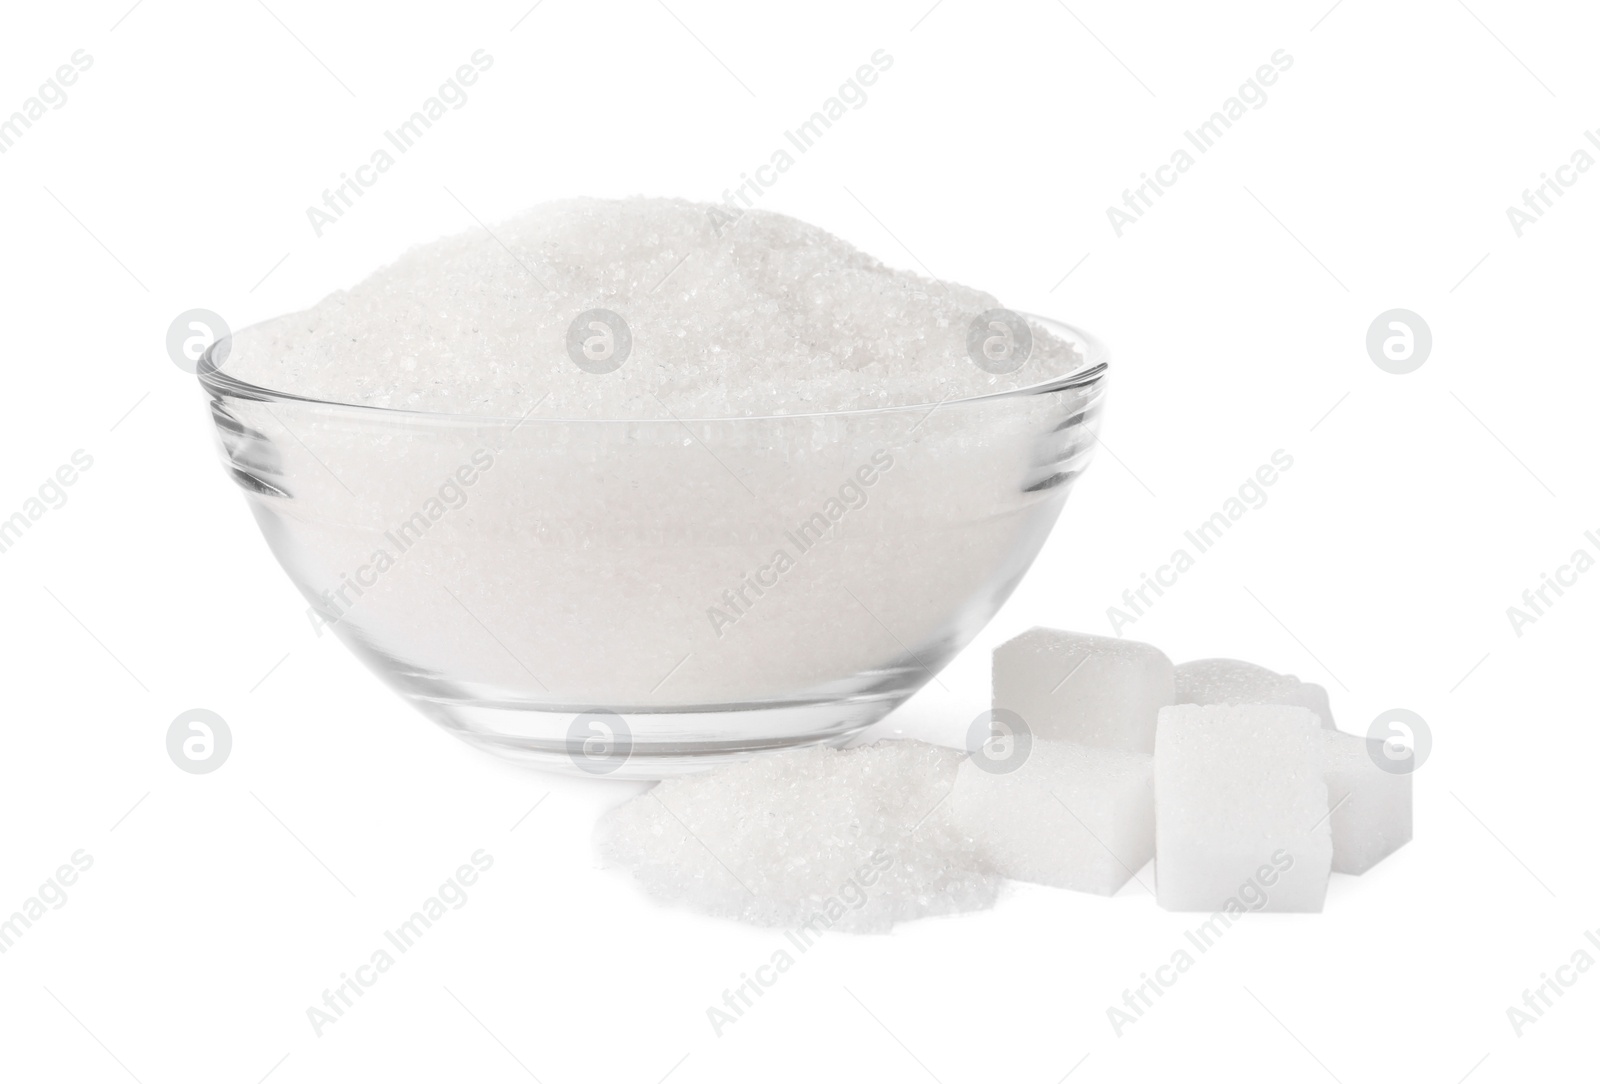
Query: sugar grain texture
[768, 316]
[850, 840]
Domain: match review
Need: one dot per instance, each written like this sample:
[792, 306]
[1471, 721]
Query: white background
[1418, 509]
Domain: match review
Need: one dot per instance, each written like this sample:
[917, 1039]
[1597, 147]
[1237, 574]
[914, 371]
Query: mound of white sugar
[820, 839]
[771, 316]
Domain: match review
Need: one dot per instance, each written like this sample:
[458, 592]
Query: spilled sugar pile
[860, 837]
[1246, 798]
[772, 316]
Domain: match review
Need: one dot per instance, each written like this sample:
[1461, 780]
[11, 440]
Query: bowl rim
[1089, 372]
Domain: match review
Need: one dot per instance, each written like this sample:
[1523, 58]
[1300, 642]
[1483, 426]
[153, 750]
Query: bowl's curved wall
[722, 585]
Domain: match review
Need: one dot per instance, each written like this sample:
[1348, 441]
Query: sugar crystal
[812, 839]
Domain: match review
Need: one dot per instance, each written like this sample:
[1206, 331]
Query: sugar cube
[1241, 809]
[1097, 690]
[1071, 816]
[1230, 681]
[1371, 816]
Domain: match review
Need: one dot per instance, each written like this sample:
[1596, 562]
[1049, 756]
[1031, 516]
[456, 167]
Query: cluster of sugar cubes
[1231, 776]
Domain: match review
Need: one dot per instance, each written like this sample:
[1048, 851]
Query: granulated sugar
[691, 529]
[773, 316]
[861, 837]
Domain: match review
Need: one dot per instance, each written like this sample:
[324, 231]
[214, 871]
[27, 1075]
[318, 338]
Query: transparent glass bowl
[648, 596]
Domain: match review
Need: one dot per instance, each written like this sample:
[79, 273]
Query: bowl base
[653, 743]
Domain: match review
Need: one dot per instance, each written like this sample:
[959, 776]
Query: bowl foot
[653, 743]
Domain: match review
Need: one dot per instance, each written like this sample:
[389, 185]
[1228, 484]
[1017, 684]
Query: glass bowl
[645, 596]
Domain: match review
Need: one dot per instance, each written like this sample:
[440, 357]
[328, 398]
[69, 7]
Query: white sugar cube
[1230, 681]
[1371, 807]
[1097, 690]
[1071, 816]
[1241, 809]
